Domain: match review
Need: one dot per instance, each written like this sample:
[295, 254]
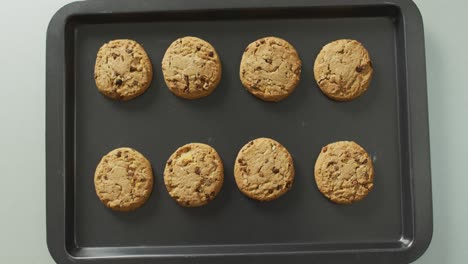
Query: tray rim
[417, 115]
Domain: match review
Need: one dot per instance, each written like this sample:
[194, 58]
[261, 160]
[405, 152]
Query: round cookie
[123, 70]
[191, 68]
[123, 179]
[344, 172]
[270, 69]
[264, 169]
[343, 69]
[194, 175]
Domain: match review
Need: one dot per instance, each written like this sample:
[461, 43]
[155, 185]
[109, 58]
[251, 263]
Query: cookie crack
[274, 70]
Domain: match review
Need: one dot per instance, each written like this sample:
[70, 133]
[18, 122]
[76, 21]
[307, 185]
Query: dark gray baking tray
[392, 225]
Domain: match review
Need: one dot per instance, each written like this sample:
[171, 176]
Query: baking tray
[392, 225]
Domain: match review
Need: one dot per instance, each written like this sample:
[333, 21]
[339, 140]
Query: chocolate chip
[129, 50]
[255, 86]
[324, 149]
[262, 41]
[198, 48]
[275, 170]
[169, 162]
[269, 61]
[359, 69]
[211, 54]
[118, 82]
[187, 83]
[270, 191]
[197, 170]
[279, 187]
[132, 69]
[119, 154]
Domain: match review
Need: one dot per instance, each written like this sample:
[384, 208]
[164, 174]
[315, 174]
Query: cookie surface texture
[191, 68]
[194, 174]
[264, 169]
[343, 69]
[344, 172]
[123, 70]
[123, 179]
[270, 69]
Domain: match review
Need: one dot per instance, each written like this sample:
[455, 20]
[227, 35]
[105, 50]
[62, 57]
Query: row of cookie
[263, 170]
[270, 69]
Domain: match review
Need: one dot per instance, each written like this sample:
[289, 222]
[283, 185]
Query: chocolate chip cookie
[123, 179]
[123, 70]
[344, 172]
[270, 69]
[343, 69]
[264, 169]
[191, 68]
[194, 174]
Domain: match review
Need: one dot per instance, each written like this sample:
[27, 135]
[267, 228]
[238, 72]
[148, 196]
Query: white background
[22, 128]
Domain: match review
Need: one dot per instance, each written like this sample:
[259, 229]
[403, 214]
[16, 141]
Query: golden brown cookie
[344, 172]
[264, 169]
[123, 70]
[123, 179]
[343, 69]
[270, 69]
[194, 174]
[191, 68]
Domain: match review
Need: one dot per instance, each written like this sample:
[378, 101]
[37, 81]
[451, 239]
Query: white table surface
[22, 134]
